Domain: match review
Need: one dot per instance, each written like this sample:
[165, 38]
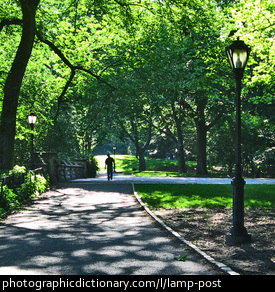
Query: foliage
[152, 74]
[18, 191]
[92, 167]
[204, 196]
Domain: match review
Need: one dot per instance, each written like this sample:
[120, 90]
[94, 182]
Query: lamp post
[32, 118]
[114, 150]
[238, 53]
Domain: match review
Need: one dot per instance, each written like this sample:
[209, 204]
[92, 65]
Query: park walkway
[91, 227]
[122, 179]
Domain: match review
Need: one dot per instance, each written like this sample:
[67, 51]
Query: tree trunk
[142, 162]
[13, 84]
[181, 158]
[178, 118]
[180, 148]
[201, 147]
[201, 136]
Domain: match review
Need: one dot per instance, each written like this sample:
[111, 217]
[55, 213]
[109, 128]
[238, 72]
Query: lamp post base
[236, 239]
[238, 233]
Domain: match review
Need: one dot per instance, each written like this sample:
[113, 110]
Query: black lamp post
[238, 53]
[114, 150]
[32, 118]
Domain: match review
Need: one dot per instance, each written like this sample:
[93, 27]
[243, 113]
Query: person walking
[109, 162]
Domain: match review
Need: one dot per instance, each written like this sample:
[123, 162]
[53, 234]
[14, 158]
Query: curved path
[92, 228]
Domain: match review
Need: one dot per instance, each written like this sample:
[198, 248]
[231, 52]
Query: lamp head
[238, 53]
[32, 118]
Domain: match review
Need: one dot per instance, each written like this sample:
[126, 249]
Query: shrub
[33, 186]
[92, 167]
[20, 189]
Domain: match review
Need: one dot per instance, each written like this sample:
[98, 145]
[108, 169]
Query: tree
[181, 66]
[131, 111]
[162, 61]
[14, 81]
[47, 27]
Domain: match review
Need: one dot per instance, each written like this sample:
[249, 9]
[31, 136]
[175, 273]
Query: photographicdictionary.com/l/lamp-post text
[83, 283]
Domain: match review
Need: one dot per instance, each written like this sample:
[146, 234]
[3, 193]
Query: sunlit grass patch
[204, 196]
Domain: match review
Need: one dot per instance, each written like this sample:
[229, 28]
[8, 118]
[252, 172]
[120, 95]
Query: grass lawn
[204, 196]
[189, 195]
[129, 164]
[124, 163]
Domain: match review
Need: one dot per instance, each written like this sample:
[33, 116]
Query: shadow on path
[90, 229]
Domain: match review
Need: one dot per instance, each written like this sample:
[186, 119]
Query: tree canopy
[146, 73]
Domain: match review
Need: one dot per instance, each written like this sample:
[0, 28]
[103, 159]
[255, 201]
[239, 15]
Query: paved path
[121, 178]
[91, 228]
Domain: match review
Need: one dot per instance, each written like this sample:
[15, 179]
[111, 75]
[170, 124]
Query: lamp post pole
[32, 148]
[238, 54]
[114, 150]
[32, 118]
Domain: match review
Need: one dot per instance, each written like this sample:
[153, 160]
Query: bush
[20, 189]
[8, 201]
[92, 167]
[33, 186]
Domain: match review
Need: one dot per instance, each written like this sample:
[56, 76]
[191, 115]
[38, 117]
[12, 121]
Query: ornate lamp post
[32, 119]
[238, 53]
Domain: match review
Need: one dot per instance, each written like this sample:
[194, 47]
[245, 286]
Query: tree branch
[60, 98]
[73, 68]
[14, 21]
[56, 51]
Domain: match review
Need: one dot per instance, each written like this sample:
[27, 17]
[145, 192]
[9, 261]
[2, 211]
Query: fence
[60, 171]
[68, 171]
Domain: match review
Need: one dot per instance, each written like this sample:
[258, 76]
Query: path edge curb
[224, 268]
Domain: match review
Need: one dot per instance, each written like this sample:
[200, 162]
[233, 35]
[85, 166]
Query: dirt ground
[206, 228]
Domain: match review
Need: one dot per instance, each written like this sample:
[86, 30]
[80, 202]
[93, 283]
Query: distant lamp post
[238, 54]
[114, 150]
[32, 119]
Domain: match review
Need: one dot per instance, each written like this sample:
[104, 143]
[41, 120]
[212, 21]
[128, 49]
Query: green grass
[124, 163]
[129, 164]
[188, 196]
[204, 196]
